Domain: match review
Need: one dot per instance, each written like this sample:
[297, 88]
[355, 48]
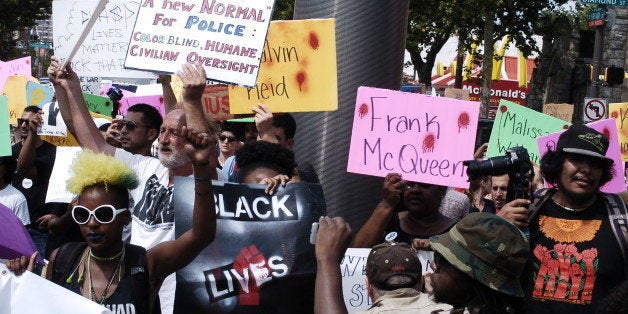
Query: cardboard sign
[227, 38]
[609, 129]
[424, 138]
[560, 111]
[98, 104]
[21, 66]
[353, 271]
[15, 90]
[61, 174]
[261, 260]
[298, 71]
[619, 112]
[155, 101]
[5, 129]
[457, 93]
[516, 125]
[37, 94]
[102, 53]
[53, 122]
[216, 102]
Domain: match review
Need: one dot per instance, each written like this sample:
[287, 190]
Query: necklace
[106, 259]
[118, 269]
[569, 208]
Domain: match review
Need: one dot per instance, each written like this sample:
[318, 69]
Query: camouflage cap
[389, 259]
[488, 248]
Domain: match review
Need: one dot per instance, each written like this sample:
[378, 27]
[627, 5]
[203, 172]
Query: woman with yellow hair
[104, 269]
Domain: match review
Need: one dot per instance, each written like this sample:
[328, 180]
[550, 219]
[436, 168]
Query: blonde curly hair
[90, 169]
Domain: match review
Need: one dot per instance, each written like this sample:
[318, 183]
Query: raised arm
[371, 233]
[170, 100]
[170, 256]
[26, 160]
[264, 123]
[74, 110]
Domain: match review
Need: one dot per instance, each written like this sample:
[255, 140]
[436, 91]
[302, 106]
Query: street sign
[620, 3]
[597, 17]
[595, 109]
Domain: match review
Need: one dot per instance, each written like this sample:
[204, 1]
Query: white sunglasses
[104, 214]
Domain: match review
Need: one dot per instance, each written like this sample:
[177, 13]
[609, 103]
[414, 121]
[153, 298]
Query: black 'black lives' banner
[261, 260]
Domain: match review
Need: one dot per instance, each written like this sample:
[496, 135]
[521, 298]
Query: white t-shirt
[153, 212]
[15, 200]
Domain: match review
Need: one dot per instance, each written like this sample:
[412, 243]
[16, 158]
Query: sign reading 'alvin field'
[424, 138]
[226, 37]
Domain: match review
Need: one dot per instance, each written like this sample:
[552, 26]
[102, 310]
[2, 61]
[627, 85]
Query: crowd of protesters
[564, 250]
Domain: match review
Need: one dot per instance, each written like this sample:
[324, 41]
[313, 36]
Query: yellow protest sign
[298, 70]
[15, 90]
[619, 112]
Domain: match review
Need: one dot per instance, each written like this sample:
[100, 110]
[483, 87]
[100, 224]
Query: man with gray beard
[153, 212]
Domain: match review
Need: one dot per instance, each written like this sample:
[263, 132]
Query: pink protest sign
[156, 101]
[609, 129]
[14, 67]
[423, 138]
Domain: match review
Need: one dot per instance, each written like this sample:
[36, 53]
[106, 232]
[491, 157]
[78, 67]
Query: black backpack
[135, 263]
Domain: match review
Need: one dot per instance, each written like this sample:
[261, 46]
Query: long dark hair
[552, 166]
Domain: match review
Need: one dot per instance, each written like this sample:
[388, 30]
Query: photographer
[576, 232]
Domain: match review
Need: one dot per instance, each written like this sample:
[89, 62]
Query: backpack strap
[65, 260]
[137, 267]
[618, 217]
[539, 198]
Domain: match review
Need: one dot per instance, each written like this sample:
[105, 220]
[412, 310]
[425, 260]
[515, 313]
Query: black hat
[583, 140]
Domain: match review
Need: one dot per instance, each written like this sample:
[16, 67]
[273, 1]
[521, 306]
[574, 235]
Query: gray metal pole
[370, 43]
[598, 49]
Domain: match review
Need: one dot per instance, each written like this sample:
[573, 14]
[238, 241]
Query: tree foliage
[16, 16]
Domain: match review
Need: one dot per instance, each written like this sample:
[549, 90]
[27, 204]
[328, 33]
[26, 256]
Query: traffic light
[614, 75]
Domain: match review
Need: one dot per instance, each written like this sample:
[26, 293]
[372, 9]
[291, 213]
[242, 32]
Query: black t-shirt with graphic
[575, 260]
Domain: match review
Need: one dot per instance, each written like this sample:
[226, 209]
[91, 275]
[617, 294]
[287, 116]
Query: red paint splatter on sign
[503, 109]
[300, 78]
[463, 121]
[161, 100]
[606, 133]
[565, 127]
[313, 41]
[428, 143]
[363, 110]
[614, 115]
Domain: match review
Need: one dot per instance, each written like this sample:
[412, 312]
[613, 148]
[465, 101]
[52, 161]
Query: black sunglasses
[21, 121]
[130, 125]
[229, 139]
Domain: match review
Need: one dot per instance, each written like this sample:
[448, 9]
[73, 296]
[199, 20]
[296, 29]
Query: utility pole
[598, 49]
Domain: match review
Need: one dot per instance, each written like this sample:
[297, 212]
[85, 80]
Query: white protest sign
[227, 38]
[353, 270]
[30, 293]
[60, 174]
[103, 50]
[53, 122]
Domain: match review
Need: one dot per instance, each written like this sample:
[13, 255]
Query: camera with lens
[115, 94]
[516, 164]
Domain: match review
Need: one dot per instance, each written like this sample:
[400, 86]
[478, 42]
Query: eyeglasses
[130, 125]
[22, 121]
[104, 214]
[229, 139]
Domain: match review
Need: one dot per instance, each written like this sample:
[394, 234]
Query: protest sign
[61, 174]
[53, 122]
[30, 293]
[102, 53]
[15, 90]
[5, 129]
[90, 85]
[560, 111]
[609, 129]
[424, 138]
[516, 125]
[457, 93]
[619, 112]
[21, 66]
[226, 38]
[37, 94]
[353, 271]
[261, 260]
[67, 140]
[155, 101]
[216, 102]
[298, 70]
[98, 104]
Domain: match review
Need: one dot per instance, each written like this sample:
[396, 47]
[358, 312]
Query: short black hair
[286, 122]
[33, 109]
[552, 167]
[152, 118]
[262, 154]
[10, 165]
[233, 127]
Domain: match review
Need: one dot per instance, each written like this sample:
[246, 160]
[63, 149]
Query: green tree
[16, 16]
